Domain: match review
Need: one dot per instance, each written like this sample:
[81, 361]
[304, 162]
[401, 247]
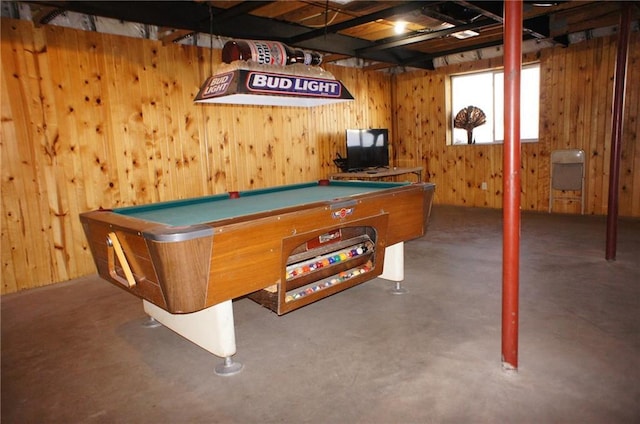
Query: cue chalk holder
[114, 249]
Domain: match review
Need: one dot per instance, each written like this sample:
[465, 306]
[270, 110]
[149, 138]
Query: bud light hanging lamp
[269, 73]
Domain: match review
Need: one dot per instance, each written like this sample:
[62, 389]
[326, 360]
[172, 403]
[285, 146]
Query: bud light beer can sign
[293, 85]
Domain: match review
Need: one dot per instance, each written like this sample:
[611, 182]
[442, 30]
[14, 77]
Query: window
[485, 90]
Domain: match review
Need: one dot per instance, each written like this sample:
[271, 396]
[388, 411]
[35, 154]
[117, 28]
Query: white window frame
[488, 95]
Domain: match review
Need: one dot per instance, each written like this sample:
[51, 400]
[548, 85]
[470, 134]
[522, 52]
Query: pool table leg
[394, 267]
[212, 329]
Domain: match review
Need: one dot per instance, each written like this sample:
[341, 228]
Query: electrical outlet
[483, 186]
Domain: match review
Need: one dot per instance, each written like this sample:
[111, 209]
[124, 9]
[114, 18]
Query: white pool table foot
[228, 367]
[398, 289]
[394, 267]
[211, 328]
[151, 322]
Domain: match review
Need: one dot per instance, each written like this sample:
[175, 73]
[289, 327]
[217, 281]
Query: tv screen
[367, 149]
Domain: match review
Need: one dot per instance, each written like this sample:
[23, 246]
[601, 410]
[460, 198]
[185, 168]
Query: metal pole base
[509, 369]
[398, 289]
[151, 323]
[228, 367]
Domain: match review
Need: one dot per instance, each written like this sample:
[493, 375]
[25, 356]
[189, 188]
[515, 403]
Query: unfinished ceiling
[381, 33]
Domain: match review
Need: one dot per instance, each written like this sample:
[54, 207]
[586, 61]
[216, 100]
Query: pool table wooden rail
[187, 269]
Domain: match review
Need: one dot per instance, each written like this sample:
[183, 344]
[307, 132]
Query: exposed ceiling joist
[358, 29]
[383, 14]
[420, 37]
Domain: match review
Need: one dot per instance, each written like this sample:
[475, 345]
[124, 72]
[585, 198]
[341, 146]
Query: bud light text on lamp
[217, 85]
[283, 84]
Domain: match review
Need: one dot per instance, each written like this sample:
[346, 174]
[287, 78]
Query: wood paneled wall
[576, 97]
[94, 120]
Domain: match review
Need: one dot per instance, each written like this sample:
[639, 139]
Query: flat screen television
[367, 149]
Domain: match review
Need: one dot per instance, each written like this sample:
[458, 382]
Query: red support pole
[511, 182]
[616, 130]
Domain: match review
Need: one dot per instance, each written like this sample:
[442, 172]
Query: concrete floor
[76, 351]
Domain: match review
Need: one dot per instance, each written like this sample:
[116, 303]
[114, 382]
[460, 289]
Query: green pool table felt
[201, 210]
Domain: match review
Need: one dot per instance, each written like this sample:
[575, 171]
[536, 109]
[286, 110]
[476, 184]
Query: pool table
[284, 247]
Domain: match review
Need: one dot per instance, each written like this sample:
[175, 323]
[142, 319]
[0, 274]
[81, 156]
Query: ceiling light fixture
[399, 27]
[544, 3]
[465, 34]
